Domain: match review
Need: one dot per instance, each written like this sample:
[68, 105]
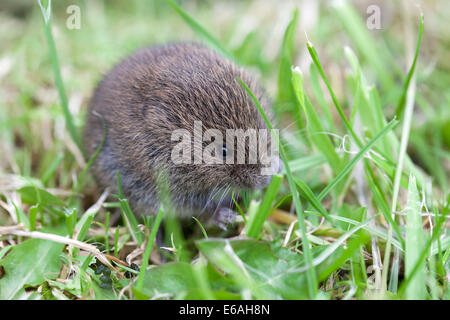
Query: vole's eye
[224, 151]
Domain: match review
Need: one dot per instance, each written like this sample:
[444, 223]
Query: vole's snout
[274, 167]
[263, 182]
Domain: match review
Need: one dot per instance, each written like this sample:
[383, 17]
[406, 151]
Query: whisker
[289, 125]
[211, 196]
[228, 188]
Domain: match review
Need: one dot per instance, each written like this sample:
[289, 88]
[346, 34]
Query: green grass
[364, 138]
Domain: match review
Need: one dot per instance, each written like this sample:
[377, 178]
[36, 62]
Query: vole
[150, 101]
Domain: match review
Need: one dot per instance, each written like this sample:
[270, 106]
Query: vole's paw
[224, 216]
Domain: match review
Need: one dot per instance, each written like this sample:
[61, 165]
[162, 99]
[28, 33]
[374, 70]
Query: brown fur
[151, 93]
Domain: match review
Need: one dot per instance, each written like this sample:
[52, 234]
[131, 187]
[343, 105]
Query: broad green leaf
[170, 279]
[260, 265]
[29, 263]
[33, 195]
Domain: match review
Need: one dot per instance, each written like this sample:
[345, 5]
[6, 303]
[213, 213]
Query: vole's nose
[280, 165]
[276, 165]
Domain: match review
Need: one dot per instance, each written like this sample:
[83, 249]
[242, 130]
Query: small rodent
[155, 91]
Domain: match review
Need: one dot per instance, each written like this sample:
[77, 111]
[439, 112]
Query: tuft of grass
[311, 273]
[148, 249]
[47, 14]
[256, 219]
[410, 94]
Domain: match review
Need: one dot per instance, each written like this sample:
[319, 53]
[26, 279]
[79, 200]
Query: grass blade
[399, 169]
[311, 272]
[413, 244]
[315, 58]
[307, 193]
[148, 249]
[57, 73]
[425, 252]
[364, 41]
[319, 97]
[355, 159]
[285, 89]
[128, 215]
[255, 222]
[200, 30]
[306, 163]
[314, 127]
[401, 102]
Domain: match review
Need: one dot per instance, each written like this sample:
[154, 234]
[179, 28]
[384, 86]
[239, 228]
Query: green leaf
[255, 263]
[169, 279]
[84, 227]
[33, 214]
[315, 58]
[33, 195]
[29, 263]
[319, 96]
[48, 174]
[21, 216]
[305, 163]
